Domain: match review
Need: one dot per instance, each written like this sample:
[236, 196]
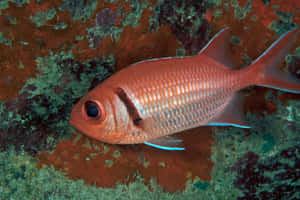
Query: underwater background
[53, 52]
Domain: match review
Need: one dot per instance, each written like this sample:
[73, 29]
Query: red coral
[135, 44]
[85, 159]
[39, 42]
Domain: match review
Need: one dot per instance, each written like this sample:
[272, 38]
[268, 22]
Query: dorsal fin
[218, 48]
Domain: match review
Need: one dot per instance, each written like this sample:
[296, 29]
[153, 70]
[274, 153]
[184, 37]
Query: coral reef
[186, 19]
[263, 163]
[274, 177]
[20, 179]
[53, 52]
[272, 172]
[43, 102]
[105, 164]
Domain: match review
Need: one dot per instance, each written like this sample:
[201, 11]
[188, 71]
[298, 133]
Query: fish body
[151, 100]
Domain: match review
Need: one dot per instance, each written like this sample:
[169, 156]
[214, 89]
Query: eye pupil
[92, 109]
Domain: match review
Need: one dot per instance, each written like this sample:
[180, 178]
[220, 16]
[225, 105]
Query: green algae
[117, 154]
[217, 13]
[99, 33]
[182, 12]
[12, 20]
[162, 164]
[146, 163]
[246, 60]
[20, 179]
[61, 25]
[254, 18]
[132, 19]
[49, 97]
[5, 40]
[187, 20]
[285, 17]
[180, 52]
[21, 65]
[77, 138]
[41, 17]
[108, 28]
[109, 163]
[289, 58]
[283, 24]
[79, 9]
[240, 12]
[111, 1]
[106, 149]
[87, 144]
[201, 185]
[4, 4]
[236, 40]
[269, 143]
[269, 136]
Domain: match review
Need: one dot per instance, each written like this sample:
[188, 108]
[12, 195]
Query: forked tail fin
[267, 65]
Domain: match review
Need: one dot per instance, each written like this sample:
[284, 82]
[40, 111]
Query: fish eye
[93, 110]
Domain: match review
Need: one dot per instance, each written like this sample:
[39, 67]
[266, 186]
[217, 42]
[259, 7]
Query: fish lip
[72, 122]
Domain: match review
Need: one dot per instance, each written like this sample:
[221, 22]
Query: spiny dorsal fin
[218, 48]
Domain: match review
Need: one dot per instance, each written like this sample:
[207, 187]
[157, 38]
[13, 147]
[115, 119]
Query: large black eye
[92, 109]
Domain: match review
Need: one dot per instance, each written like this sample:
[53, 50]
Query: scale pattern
[182, 98]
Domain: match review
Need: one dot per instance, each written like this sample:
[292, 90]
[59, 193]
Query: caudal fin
[267, 65]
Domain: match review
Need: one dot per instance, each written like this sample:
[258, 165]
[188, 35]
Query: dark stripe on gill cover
[132, 111]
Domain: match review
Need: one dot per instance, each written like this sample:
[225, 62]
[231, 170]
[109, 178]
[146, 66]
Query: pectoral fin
[166, 143]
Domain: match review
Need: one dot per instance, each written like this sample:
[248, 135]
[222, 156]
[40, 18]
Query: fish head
[101, 115]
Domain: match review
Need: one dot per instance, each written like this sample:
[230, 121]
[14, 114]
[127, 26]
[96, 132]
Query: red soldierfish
[153, 99]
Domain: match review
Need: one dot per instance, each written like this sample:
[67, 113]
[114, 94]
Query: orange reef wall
[105, 165]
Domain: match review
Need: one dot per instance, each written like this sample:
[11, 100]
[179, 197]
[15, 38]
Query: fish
[149, 101]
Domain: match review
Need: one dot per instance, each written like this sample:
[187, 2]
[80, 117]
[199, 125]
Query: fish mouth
[73, 123]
